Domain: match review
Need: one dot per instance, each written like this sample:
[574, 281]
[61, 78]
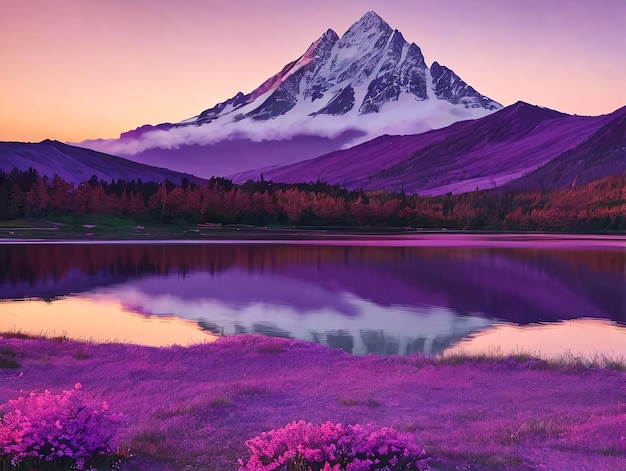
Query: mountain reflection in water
[363, 299]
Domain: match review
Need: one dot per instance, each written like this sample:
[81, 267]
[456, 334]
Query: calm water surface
[403, 295]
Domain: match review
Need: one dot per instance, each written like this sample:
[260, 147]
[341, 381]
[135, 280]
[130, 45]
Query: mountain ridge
[366, 83]
[602, 153]
[77, 164]
[466, 155]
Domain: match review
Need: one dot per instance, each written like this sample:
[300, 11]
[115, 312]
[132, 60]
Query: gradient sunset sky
[78, 69]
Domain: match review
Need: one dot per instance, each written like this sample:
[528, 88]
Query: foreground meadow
[193, 408]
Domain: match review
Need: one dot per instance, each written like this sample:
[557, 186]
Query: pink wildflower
[50, 427]
[332, 447]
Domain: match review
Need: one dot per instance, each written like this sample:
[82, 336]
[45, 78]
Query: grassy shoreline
[191, 408]
[103, 227]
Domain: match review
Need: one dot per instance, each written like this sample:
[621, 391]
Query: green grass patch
[23, 223]
[98, 226]
[101, 221]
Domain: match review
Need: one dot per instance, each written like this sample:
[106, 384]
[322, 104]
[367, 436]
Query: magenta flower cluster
[303, 446]
[57, 431]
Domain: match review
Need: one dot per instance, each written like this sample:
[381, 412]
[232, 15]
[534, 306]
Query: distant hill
[76, 165]
[484, 153]
[602, 153]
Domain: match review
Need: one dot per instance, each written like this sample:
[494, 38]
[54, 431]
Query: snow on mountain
[346, 90]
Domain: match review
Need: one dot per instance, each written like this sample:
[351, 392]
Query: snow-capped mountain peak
[368, 22]
[359, 73]
[368, 82]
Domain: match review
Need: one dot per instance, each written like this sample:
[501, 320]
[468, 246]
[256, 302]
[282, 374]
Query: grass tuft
[154, 444]
[82, 354]
[61, 338]
[271, 348]
[569, 361]
[535, 361]
[480, 460]
[221, 402]
[8, 358]
[615, 364]
[501, 462]
[177, 410]
[347, 402]
[18, 334]
[245, 389]
[543, 429]
[612, 449]
[351, 402]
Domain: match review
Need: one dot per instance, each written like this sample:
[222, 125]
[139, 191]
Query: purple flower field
[194, 408]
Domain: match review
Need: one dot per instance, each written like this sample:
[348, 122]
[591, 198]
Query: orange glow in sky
[98, 320]
[75, 69]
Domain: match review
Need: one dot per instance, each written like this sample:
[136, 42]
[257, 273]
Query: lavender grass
[195, 407]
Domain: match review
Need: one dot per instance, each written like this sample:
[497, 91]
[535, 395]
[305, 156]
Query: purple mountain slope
[231, 155]
[76, 165]
[340, 92]
[601, 154]
[482, 153]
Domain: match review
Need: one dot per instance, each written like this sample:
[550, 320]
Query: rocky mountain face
[449, 86]
[342, 91]
[504, 148]
[369, 66]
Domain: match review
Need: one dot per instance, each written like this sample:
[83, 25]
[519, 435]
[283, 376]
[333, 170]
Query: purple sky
[76, 69]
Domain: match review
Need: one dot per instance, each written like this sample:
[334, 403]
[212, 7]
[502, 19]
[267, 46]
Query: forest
[597, 206]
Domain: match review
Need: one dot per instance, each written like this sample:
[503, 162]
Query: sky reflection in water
[391, 296]
[99, 320]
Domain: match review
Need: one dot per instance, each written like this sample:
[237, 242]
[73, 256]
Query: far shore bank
[106, 228]
[332, 236]
[192, 408]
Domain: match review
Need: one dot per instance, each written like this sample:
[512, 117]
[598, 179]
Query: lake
[424, 293]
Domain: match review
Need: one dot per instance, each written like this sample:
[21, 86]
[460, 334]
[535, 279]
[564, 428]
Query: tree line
[598, 206]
